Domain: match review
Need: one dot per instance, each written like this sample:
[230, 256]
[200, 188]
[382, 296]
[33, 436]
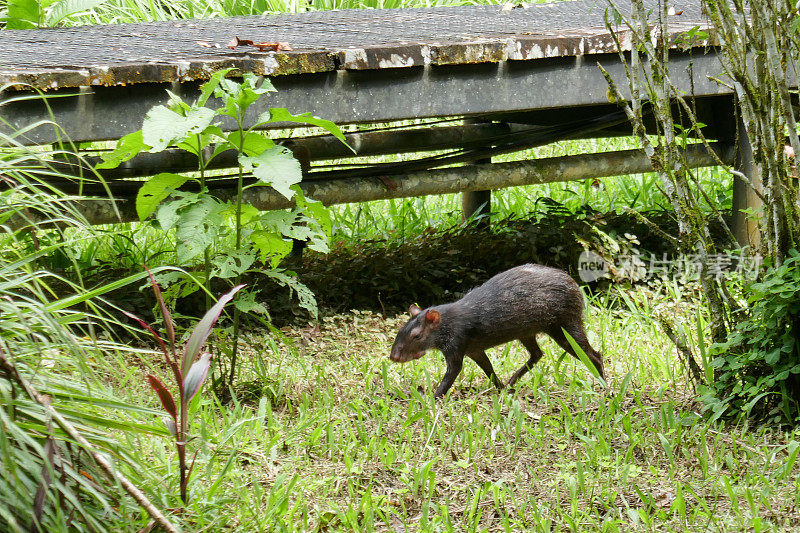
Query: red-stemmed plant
[190, 370]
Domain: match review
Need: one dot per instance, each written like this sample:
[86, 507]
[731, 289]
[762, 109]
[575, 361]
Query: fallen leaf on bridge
[262, 47]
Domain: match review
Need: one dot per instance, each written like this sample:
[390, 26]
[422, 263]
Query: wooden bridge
[492, 80]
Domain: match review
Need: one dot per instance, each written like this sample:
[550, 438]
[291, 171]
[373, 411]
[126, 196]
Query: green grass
[53, 330]
[331, 436]
[122, 11]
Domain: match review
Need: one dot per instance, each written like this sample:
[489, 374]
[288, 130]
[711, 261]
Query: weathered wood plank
[187, 50]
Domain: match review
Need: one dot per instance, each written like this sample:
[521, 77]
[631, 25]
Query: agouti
[516, 304]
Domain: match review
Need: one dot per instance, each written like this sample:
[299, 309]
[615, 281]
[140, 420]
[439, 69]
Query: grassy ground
[329, 436]
[326, 435]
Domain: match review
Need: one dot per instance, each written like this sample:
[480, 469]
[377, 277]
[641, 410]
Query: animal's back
[524, 300]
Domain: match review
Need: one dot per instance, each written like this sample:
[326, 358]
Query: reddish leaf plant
[190, 370]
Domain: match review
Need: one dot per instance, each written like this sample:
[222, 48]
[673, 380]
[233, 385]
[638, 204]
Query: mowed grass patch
[328, 435]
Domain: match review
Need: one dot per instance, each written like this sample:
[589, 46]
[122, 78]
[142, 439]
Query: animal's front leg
[454, 364]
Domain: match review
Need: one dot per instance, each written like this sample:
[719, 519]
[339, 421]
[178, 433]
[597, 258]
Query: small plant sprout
[190, 370]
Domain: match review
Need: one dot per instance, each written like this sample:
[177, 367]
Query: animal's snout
[395, 355]
[402, 357]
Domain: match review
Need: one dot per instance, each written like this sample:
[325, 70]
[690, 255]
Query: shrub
[758, 367]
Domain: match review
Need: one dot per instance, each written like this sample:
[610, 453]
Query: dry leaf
[663, 499]
[309, 334]
[262, 47]
[274, 47]
[238, 42]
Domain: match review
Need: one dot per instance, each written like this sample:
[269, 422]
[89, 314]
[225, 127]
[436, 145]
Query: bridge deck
[319, 41]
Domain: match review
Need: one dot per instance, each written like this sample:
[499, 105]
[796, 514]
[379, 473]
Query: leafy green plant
[59, 421]
[760, 360]
[244, 239]
[189, 370]
[28, 14]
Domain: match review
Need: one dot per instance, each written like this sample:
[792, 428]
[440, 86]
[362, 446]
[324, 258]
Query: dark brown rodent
[515, 304]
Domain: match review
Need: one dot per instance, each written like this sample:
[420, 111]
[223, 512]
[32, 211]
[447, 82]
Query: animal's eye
[415, 336]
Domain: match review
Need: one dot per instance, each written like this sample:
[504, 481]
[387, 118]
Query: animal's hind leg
[482, 359]
[536, 353]
[579, 335]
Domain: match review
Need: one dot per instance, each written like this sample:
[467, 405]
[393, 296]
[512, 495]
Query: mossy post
[477, 205]
[746, 227]
[731, 132]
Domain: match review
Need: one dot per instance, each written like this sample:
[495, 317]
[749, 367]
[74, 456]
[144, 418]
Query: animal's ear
[433, 317]
[414, 311]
